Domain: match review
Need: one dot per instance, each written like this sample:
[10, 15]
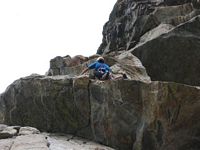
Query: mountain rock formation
[163, 34]
[157, 44]
[122, 113]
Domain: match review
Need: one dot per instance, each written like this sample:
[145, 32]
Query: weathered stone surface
[2, 127]
[27, 140]
[45, 141]
[169, 118]
[173, 56]
[8, 132]
[65, 142]
[154, 33]
[49, 100]
[131, 66]
[6, 144]
[28, 130]
[170, 27]
[121, 114]
[115, 112]
[32, 142]
[66, 65]
[131, 19]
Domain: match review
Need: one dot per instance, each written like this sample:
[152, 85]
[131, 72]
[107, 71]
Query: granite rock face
[44, 99]
[174, 55]
[163, 34]
[130, 19]
[122, 114]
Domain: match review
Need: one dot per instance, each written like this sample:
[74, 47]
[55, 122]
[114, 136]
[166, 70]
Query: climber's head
[100, 59]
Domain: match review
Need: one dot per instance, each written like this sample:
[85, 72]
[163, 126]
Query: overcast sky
[34, 31]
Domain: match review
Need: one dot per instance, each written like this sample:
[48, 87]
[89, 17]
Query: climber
[101, 70]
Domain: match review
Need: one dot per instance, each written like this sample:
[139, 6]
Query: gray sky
[34, 31]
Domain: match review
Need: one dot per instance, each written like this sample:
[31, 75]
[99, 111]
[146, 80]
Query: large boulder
[163, 35]
[123, 114]
[66, 65]
[134, 113]
[28, 131]
[173, 55]
[48, 103]
[8, 132]
[132, 66]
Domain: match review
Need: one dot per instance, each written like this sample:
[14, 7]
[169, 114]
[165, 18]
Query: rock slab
[122, 114]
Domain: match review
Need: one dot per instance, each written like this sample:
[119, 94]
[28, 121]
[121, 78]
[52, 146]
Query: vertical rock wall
[122, 114]
[163, 34]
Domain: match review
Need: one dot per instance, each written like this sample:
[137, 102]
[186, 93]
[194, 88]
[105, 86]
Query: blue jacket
[97, 65]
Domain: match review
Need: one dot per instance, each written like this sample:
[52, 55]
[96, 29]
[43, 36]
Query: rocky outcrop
[130, 19]
[123, 114]
[148, 40]
[162, 34]
[173, 55]
[46, 103]
[119, 63]
[66, 65]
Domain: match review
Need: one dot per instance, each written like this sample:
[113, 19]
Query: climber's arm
[84, 71]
